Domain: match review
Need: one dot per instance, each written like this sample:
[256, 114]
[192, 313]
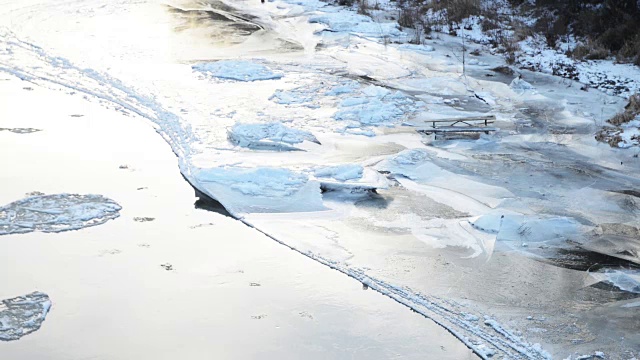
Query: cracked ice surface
[55, 213]
[23, 315]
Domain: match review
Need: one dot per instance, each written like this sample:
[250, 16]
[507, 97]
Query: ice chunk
[55, 213]
[263, 189]
[23, 315]
[340, 172]
[411, 157]
[268, 135]
[268, 182]
[376, 106]
[237, 70]
[417, 48]
[519, 84]
[515, 227]
[291, 97]
[626, 280]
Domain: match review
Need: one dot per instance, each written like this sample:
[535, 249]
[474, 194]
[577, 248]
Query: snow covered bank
[23, 315]
[55, 213]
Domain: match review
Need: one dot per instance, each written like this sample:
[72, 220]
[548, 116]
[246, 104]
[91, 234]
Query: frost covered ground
[501, 240]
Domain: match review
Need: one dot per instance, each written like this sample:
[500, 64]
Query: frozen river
[300, 120]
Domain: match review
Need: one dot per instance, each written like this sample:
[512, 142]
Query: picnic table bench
[473, 124]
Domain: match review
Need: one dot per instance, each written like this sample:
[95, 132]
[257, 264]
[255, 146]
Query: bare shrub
[455, 10]
[510, 47]
[489, 24]
[630, 51]
[590, 51]
[461, 9]
[363, 7]
[630, 112]
[346, 2]
[409, 17]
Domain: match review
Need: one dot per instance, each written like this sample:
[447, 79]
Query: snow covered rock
[23, 315]
[272, 135]
[55, 213]
[239, 70]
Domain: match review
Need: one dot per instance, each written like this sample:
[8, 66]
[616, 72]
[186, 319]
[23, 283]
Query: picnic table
[472, 124]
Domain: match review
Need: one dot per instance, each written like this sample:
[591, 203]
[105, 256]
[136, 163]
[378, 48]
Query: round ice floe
[55, 213]
[22, 315]
[237, 70]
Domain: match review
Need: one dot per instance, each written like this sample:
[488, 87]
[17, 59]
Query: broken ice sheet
[55, 213]
[22, 315]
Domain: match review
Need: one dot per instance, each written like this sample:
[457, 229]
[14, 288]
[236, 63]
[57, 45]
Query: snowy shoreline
[149, 274]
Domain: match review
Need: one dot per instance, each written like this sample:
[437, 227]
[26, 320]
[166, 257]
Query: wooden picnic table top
[489, 118]
[458, 129]
[469, 121]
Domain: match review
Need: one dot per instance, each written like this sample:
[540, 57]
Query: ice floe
[262, 189]
[624, 279]
[23, 315]
[520, 85]
[271, 135]
[340, 172]
[376, 106]
[240, 70]
[55, 213]
[516, 227]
